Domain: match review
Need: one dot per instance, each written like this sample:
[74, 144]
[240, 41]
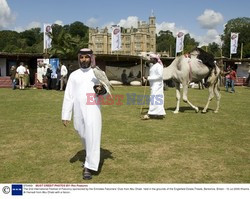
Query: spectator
[124, 78]
[139, 74]
[40, 73]
[58, 77]
[228, 80]
[64, 73]
[13, 76]
[21, 71]
[27, 77]
[48, 75]
[233, 77]
[131, 74]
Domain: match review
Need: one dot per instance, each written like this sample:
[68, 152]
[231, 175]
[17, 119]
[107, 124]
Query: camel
[193, 68]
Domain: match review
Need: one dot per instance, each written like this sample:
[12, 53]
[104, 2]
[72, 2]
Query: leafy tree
[165, 42]
[8, 37]
[78, 28]
[66, 40]
[11, 48]
[214, 49]
[65, 46]
[32, 36]
[241, 26]
[189, 43]
[56, 29]
[29, 41]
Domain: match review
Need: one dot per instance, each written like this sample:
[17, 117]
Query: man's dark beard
[85, 65]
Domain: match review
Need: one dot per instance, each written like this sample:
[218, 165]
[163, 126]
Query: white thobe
[87, 117]
[40, 74]
[156, 106]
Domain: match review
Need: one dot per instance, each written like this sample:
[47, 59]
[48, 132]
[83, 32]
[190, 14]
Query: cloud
[6, 16]
[169, 26]
[211, 36]
[210, 19]
[129, 22]
[92, 22]
[59, 22]
[33, 24]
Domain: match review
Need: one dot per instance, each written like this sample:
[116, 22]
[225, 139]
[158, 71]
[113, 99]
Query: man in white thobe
[64, 73]
[156, 104]
[87, 116]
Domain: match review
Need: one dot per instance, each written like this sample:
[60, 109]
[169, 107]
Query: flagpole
[241, 51]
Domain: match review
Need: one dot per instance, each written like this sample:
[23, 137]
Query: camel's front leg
[210, 97]
[178, 97]
[218, 96]
[185, 98]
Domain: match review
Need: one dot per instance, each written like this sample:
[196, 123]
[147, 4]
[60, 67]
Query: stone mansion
[134, 40]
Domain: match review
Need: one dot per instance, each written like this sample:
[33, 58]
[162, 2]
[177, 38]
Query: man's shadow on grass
[80, 156]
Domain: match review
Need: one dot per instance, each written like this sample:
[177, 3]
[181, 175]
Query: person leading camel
[156, 104]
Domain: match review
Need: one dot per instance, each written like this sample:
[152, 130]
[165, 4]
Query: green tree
[189, 43]
[78, 28]
[65, 46]
[32, 36]
[241, 26]
[214, 49]
[8, 38]
[28, 41]
[165, 42]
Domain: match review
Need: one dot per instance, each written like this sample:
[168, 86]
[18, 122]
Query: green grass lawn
[187, 147]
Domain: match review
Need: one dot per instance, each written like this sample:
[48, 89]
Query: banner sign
[47, 30]
[234, 42]
[180, 42]
[116, 38]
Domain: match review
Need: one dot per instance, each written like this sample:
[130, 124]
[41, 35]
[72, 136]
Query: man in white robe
[87, 116]
[156, 103]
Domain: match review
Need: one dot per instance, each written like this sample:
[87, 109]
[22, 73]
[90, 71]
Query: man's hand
[65, 122]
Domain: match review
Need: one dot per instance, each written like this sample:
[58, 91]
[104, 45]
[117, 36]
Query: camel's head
[145, 55]
[195, 52]
[151, 58]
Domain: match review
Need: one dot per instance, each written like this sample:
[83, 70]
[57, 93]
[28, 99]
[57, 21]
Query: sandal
[87, 174]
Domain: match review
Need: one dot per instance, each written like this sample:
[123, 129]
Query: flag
[180, 42]
[234, 43]
[47, 30]
[116, 43]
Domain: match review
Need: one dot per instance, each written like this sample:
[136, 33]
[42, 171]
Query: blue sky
[202, 19]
